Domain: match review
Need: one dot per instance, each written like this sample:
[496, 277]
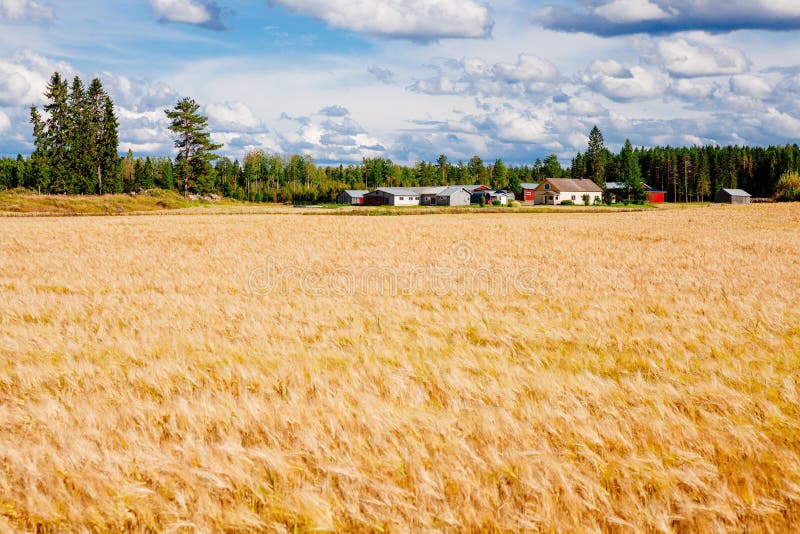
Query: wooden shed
[732, 196]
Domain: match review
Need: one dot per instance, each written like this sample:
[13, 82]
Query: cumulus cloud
[622, 84]
[687, 59]
[232, 116]
[334, 111]
[204, 13]
[621, 17]
[422, 20]
[530, 75]
[750, 85]
[24, 77]
[21, 10]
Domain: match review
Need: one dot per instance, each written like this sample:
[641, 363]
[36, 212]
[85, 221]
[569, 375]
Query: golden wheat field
[616, 372]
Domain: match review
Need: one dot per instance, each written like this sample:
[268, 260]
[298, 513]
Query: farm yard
[607, 371]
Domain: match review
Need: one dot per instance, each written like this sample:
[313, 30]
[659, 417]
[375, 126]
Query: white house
[392, 196]
[557, 190]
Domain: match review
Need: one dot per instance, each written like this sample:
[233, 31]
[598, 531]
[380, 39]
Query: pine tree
[596, 158]
[194, 143]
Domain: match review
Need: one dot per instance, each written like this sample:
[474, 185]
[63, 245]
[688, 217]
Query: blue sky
[410, 79]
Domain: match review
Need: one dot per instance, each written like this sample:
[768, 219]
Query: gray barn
[732, 196]
[351, 196]
[453, 196]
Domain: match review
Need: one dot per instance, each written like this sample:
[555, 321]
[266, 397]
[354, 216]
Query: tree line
[75, 142]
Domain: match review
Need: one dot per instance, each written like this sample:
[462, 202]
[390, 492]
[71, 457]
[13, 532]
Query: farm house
[392, 196]
[732, 196]
[554, 191]
[351, 196]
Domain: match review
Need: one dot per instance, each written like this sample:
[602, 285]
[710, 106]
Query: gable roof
[529, 185]
[737, 192]
[449, 191]
[570, 185]
[472, 188]
[395, 191]
[355, 193]
[428, 190]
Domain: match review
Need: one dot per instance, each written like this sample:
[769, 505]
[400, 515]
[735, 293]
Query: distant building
[453, 196]
[529, 192]
[555, 191]
[427, 195]
[351, 196]
[732, 196]
[392, 196]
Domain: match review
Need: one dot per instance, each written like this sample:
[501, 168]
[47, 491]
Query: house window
[573, 197]
[401, 198]
[546, 187]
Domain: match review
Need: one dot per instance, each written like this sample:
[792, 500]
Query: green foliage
[788, 187]
[630, 173]
[551, 168]
[587, 199]
[496, 203]
[596, 158]
[567, 203]
[195, 149]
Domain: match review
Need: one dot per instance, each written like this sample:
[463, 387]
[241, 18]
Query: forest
[76, 152]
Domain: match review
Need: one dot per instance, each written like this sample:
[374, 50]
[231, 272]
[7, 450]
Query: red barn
[529, 192]
[654, 196]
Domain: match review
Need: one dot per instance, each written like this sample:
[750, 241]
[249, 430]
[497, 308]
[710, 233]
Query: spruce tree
[108, 160]
[57, 133]
[631, 173]
[596, 158]
[194, 143]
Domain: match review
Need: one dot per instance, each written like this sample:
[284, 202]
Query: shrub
[597, 201]
[496, 203]
[567, 203]
[482, 201]
[788, 188]
[587, 199]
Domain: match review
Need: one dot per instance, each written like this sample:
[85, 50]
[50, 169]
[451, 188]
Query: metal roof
[356, 192]
[432, 190]
[737, 192]
[448, 191]
[529, 185]
[397, 191]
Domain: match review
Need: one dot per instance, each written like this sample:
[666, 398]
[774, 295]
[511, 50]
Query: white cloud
[232, 116]
[18, 10]
[750, 85]
[624, 11]
[410, 19]
[688, 59]
[5, 122]
[693, 89]
[186, 11]
[621, 84]
[527, 68]
[24, 77]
